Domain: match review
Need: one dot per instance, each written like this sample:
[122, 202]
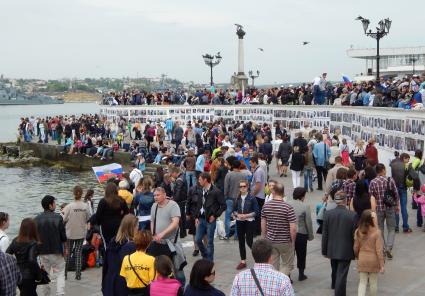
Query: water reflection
[21, 190]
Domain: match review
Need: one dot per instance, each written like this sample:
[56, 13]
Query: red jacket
[371, 154]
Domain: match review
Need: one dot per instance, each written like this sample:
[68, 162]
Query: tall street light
[212, 61]
[253, 76]
[413, 60]
[382, 30]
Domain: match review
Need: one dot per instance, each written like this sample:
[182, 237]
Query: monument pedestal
[240, 82]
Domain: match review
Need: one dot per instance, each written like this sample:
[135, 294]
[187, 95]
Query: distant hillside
[79, 96]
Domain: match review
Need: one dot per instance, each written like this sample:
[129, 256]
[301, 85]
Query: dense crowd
[209, 170]
[406, 92]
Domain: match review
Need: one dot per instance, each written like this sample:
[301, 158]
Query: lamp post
[413, 61]
[382, 30]
[212, 61]
[253, 76]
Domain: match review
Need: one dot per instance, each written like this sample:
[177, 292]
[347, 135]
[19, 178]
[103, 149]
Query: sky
[54, 39]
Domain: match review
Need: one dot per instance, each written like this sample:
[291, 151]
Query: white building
[399, 61]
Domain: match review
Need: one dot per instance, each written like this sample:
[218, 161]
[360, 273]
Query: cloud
[164, 12]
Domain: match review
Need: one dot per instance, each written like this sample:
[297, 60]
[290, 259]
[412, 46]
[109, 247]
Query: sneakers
[241, 265]
[389, 254]
[408, 230]
[195, 253]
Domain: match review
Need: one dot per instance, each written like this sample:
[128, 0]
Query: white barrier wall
[394, 129]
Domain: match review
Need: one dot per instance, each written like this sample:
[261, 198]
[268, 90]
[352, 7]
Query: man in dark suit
[338, 241]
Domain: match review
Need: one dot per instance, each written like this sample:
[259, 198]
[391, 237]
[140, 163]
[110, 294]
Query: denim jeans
[190, 178]
[402, 192]
[207, 228]
[308, 179]
[229, 209]
[387, 216]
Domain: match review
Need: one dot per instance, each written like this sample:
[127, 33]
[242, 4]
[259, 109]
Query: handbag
[44, 276]
[257, 282]
[140, 291]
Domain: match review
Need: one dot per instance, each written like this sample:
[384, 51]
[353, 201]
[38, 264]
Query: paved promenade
[404, 275]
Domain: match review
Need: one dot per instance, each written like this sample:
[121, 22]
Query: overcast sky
[53, 39]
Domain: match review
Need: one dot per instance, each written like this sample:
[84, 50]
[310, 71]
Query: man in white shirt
[135, 175]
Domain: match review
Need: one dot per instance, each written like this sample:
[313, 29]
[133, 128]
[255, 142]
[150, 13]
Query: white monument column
[241, 79]
[241, 57]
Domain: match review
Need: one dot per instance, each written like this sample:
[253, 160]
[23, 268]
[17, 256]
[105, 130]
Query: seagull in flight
[359, 18]
[306, 42]
[260, 49]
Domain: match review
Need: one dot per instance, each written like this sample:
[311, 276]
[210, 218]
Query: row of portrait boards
[392, 130]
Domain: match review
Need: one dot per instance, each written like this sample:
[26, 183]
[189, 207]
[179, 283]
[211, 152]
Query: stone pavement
[404, 275]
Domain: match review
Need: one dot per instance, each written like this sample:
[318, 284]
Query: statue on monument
[239, 31]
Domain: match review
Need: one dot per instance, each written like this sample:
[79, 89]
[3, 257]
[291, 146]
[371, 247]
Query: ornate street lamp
[413, 60]
[382, 30]
[253, 76]
[212, 61]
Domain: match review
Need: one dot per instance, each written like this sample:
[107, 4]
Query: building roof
[363, 53]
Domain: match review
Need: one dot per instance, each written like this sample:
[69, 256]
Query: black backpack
[389, 200]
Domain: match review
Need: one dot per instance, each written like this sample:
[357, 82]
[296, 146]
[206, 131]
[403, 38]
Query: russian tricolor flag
[106, 172]
[347, 81]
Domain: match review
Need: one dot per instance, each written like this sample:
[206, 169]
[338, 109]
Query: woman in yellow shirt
[138, 268]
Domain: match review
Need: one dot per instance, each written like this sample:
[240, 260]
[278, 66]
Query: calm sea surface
[21, 190]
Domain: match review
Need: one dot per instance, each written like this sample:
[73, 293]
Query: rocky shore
[12, 156]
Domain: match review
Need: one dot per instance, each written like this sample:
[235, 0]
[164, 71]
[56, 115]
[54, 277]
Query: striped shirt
[278, 215]
[272, 282]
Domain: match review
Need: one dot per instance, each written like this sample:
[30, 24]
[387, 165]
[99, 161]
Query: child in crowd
[419, 198]
[165, 283]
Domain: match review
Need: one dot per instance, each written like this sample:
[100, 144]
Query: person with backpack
[384, 190]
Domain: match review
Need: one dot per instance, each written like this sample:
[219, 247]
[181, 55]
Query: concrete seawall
[51, 154]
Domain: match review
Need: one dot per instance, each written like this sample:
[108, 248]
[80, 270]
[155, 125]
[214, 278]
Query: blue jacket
[250, 205]
[321, 153]
[143, 202]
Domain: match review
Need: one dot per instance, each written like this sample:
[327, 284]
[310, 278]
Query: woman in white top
[358, 155]
[76, 216]
[334, 151]
[4, 224]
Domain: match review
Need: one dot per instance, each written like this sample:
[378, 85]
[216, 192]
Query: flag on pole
[105, 172]
[347, 81]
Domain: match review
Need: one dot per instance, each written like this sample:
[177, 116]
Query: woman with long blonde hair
[119, 247]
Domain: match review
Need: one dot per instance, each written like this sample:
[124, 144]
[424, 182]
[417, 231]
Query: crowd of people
[211, 170]
[405, 92]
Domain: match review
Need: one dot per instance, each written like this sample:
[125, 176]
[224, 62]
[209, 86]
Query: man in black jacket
[210, 206]
[300, 142]
[180, 196]
[52, 249]
[338, 241]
